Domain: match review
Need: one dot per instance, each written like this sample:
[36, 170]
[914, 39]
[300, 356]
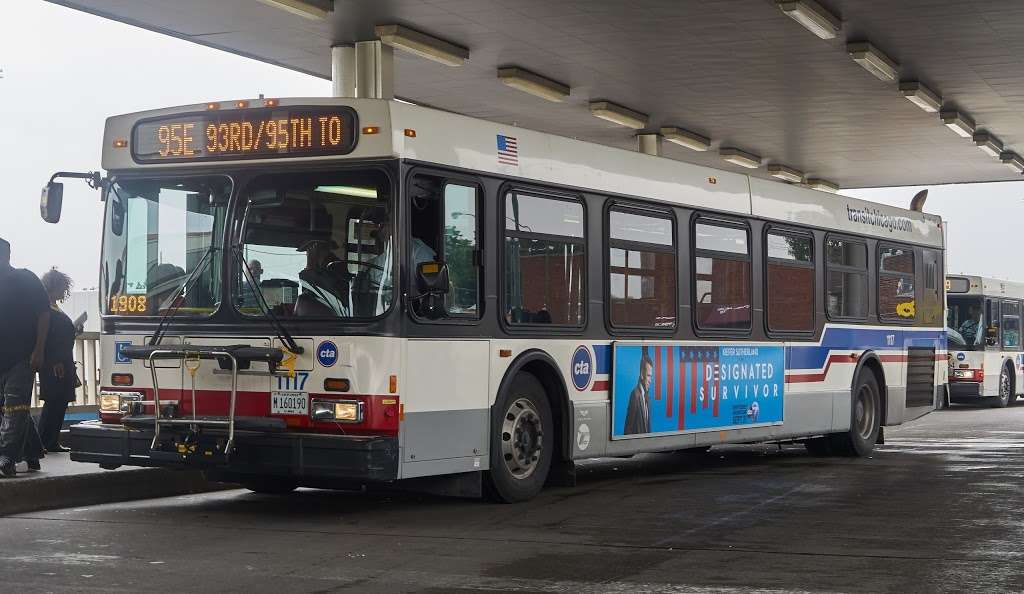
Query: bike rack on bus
[233, 354]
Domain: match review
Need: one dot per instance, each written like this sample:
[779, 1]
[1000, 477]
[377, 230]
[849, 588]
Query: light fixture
[739, 157]
[958, 122]
[340, 411]
[618, 114]
[785, 173]
[1012, 160]
[812, 16]
[423, 45]
[822, 185]
[873, 60]
[314, 10]
[921, 96]
[534, 84]
[990, 145]
[690, 140]
[348, 191]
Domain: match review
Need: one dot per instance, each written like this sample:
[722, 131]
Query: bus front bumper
[307, 458]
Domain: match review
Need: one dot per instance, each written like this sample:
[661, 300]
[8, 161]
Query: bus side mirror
[50, 202]
[432, 278]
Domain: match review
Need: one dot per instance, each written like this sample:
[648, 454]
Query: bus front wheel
[522, 441]
[865, 418]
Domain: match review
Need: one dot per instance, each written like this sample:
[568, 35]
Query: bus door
[446, 403]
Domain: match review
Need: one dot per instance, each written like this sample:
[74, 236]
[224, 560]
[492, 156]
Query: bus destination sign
[246, 134]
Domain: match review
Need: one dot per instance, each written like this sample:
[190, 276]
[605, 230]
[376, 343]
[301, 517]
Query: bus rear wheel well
[541, 366]
[873, 365]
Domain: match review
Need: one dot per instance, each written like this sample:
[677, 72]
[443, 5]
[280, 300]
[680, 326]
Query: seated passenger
[969, 328]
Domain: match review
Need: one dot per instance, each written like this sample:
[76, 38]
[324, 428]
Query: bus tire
[522, 441]
[1006, 389]
[865, 418]
[270, 485]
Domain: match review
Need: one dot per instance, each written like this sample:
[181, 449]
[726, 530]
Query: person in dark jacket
[57, 377]
[638, 413]
[24, 324]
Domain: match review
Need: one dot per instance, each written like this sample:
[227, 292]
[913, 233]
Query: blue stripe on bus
[602, 358]
[859, 339]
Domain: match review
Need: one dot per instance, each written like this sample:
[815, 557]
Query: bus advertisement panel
[666, 389]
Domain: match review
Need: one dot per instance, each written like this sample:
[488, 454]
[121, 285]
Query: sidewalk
[63, 483]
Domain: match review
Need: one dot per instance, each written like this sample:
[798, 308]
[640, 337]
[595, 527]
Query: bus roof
[428, 135]
[964, 284]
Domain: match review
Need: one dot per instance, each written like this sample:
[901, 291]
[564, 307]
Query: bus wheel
[269, 485]
[522, 441]
[865, 418]
[1005, 389]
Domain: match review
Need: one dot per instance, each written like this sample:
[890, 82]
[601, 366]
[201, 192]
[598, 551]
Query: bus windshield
[156, 234]
[316, 245]
[965, 323]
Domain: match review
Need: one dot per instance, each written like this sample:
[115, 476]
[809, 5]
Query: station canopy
[745, 74]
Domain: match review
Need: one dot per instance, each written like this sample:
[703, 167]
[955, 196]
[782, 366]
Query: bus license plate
[289, 402]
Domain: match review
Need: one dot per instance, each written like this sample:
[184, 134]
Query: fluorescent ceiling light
[873, 60]
[1013, 161]
[822, 185]
[423, 45]
[316, 10]
[618, 114]
[785, 173]
[990, 145]
[921, 96]
[690, 140]
[812, 16]
[958, 122]
[740, 157]
[348, 191]
[534, 84]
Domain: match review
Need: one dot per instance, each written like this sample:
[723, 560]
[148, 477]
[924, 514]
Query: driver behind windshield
[969, 328]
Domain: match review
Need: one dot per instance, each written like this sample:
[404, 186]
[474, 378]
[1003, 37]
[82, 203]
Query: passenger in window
[969, 328]
[249, 298]
[638, 413]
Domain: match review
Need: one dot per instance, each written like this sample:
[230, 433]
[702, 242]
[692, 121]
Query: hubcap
[522, 438]
[864, 413]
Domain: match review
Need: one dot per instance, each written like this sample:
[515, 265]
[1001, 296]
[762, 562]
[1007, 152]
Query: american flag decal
[508, 150]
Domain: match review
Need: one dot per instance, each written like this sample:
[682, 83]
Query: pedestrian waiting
[24, 325]
[58, 377]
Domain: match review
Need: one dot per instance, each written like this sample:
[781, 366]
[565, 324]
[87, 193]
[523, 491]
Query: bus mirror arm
[51, 200]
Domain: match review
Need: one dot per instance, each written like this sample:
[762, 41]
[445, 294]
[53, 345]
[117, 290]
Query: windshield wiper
[175, 303]
[282, 332]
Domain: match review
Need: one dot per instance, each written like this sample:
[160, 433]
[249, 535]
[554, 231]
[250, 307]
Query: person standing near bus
[638, 413]
[57, 376]
[24, 324]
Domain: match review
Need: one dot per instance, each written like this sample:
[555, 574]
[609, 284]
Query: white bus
[986, 362]
[316, 292]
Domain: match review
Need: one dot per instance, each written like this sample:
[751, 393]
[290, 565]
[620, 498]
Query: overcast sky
[64, 72]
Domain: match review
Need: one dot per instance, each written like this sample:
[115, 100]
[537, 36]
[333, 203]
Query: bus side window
[460, 246]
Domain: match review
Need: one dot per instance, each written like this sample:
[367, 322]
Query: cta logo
[327, 353]
[960, 356]
[582, 368]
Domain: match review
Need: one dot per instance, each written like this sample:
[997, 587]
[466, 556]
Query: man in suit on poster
[638, 413]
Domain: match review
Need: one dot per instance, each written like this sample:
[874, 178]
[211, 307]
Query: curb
[38, 494]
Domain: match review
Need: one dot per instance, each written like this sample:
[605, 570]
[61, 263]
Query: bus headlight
[117, 402]
[340, 411]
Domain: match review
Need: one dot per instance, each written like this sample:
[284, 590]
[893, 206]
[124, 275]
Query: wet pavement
[936, 509]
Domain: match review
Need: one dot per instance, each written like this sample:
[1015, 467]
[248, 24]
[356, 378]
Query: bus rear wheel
[1006, 396]
[522, 441]
[865, 418]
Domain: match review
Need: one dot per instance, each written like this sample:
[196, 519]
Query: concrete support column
[343, 71]
[649, 144]
[363, 70]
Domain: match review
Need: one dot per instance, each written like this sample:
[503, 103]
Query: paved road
[937, 509]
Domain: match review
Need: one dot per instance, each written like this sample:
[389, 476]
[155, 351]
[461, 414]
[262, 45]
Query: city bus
[332, 291]
[986, 361]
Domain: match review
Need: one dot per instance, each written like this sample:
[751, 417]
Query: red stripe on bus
[693, 387]
[670, 381]
[682, 395]
[657, 373]
[799, 378]
[600, 386]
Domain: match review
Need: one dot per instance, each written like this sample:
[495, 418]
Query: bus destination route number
[246, 134]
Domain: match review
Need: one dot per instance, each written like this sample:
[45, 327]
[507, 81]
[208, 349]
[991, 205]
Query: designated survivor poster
[659, 389]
